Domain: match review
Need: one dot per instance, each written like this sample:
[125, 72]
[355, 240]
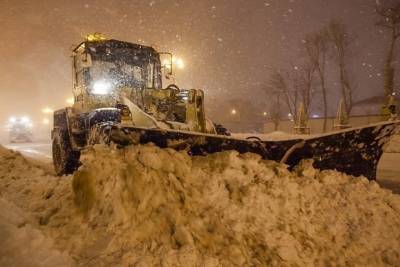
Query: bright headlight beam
[25, 120]
[179, 63]
[70, 101]
[101, 88]
[47, 110]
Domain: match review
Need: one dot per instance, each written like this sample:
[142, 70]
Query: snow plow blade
[354, 151]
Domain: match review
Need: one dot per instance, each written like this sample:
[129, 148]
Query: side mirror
[86, 60]
[166, 63]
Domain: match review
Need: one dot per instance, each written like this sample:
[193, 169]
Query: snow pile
[146, 206]
[22, 242]
[158, 206]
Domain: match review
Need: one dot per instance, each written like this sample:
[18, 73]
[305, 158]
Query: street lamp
[47, 110]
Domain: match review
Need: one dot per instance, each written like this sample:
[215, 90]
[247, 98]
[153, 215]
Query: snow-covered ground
[145, 206]
[22, 244]
[37, 150]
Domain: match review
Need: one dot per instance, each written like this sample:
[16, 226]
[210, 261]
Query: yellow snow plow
[119, 98]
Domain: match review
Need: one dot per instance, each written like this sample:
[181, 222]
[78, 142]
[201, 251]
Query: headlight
[25, 120]
[12, 120]
[101, 87]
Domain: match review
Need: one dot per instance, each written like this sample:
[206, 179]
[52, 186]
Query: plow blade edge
[353, 151]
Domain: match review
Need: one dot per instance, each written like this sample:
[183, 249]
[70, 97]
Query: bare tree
[279, 84]
[340, 41]
[275, 110]
[293, 86]
[304, 84]
[390, 19]
[316, 46]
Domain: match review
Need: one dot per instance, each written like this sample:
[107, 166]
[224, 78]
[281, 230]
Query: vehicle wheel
[65, 160]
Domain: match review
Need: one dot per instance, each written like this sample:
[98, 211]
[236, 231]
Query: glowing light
[95, 37]
[265, 113]
[167, 63]
[315, 116]
[233, 111]
[12, 120]
[101, 88]
[178, 62]
[70, 101]
[25, 120]
[46, 121]
[47, 110]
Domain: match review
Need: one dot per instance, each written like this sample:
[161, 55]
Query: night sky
[229, 46]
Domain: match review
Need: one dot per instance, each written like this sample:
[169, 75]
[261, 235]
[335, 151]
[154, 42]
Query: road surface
[388, 168]
[40, 151]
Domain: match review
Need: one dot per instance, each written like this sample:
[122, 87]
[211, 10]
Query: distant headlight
[12, 120]
[25, 120]
[101, 87]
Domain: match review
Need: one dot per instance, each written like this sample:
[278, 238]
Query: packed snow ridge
[146, 206]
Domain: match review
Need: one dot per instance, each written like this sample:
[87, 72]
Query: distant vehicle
[20, 130]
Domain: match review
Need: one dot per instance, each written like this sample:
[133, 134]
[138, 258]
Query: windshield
[120, 67]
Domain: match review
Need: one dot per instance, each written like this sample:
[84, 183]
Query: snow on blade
[146, 206]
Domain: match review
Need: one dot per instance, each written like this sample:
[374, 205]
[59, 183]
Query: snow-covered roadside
[22, 244]
[146, 206]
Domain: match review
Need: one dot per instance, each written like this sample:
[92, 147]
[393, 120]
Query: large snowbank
[22, 243]
[234, 209]
[146, 206]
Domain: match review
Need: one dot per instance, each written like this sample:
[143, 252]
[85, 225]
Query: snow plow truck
[119, 98]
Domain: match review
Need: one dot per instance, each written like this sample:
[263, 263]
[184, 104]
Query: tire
[65, 159]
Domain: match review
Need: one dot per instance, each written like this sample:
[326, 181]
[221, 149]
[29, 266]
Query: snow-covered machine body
[119, 98]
